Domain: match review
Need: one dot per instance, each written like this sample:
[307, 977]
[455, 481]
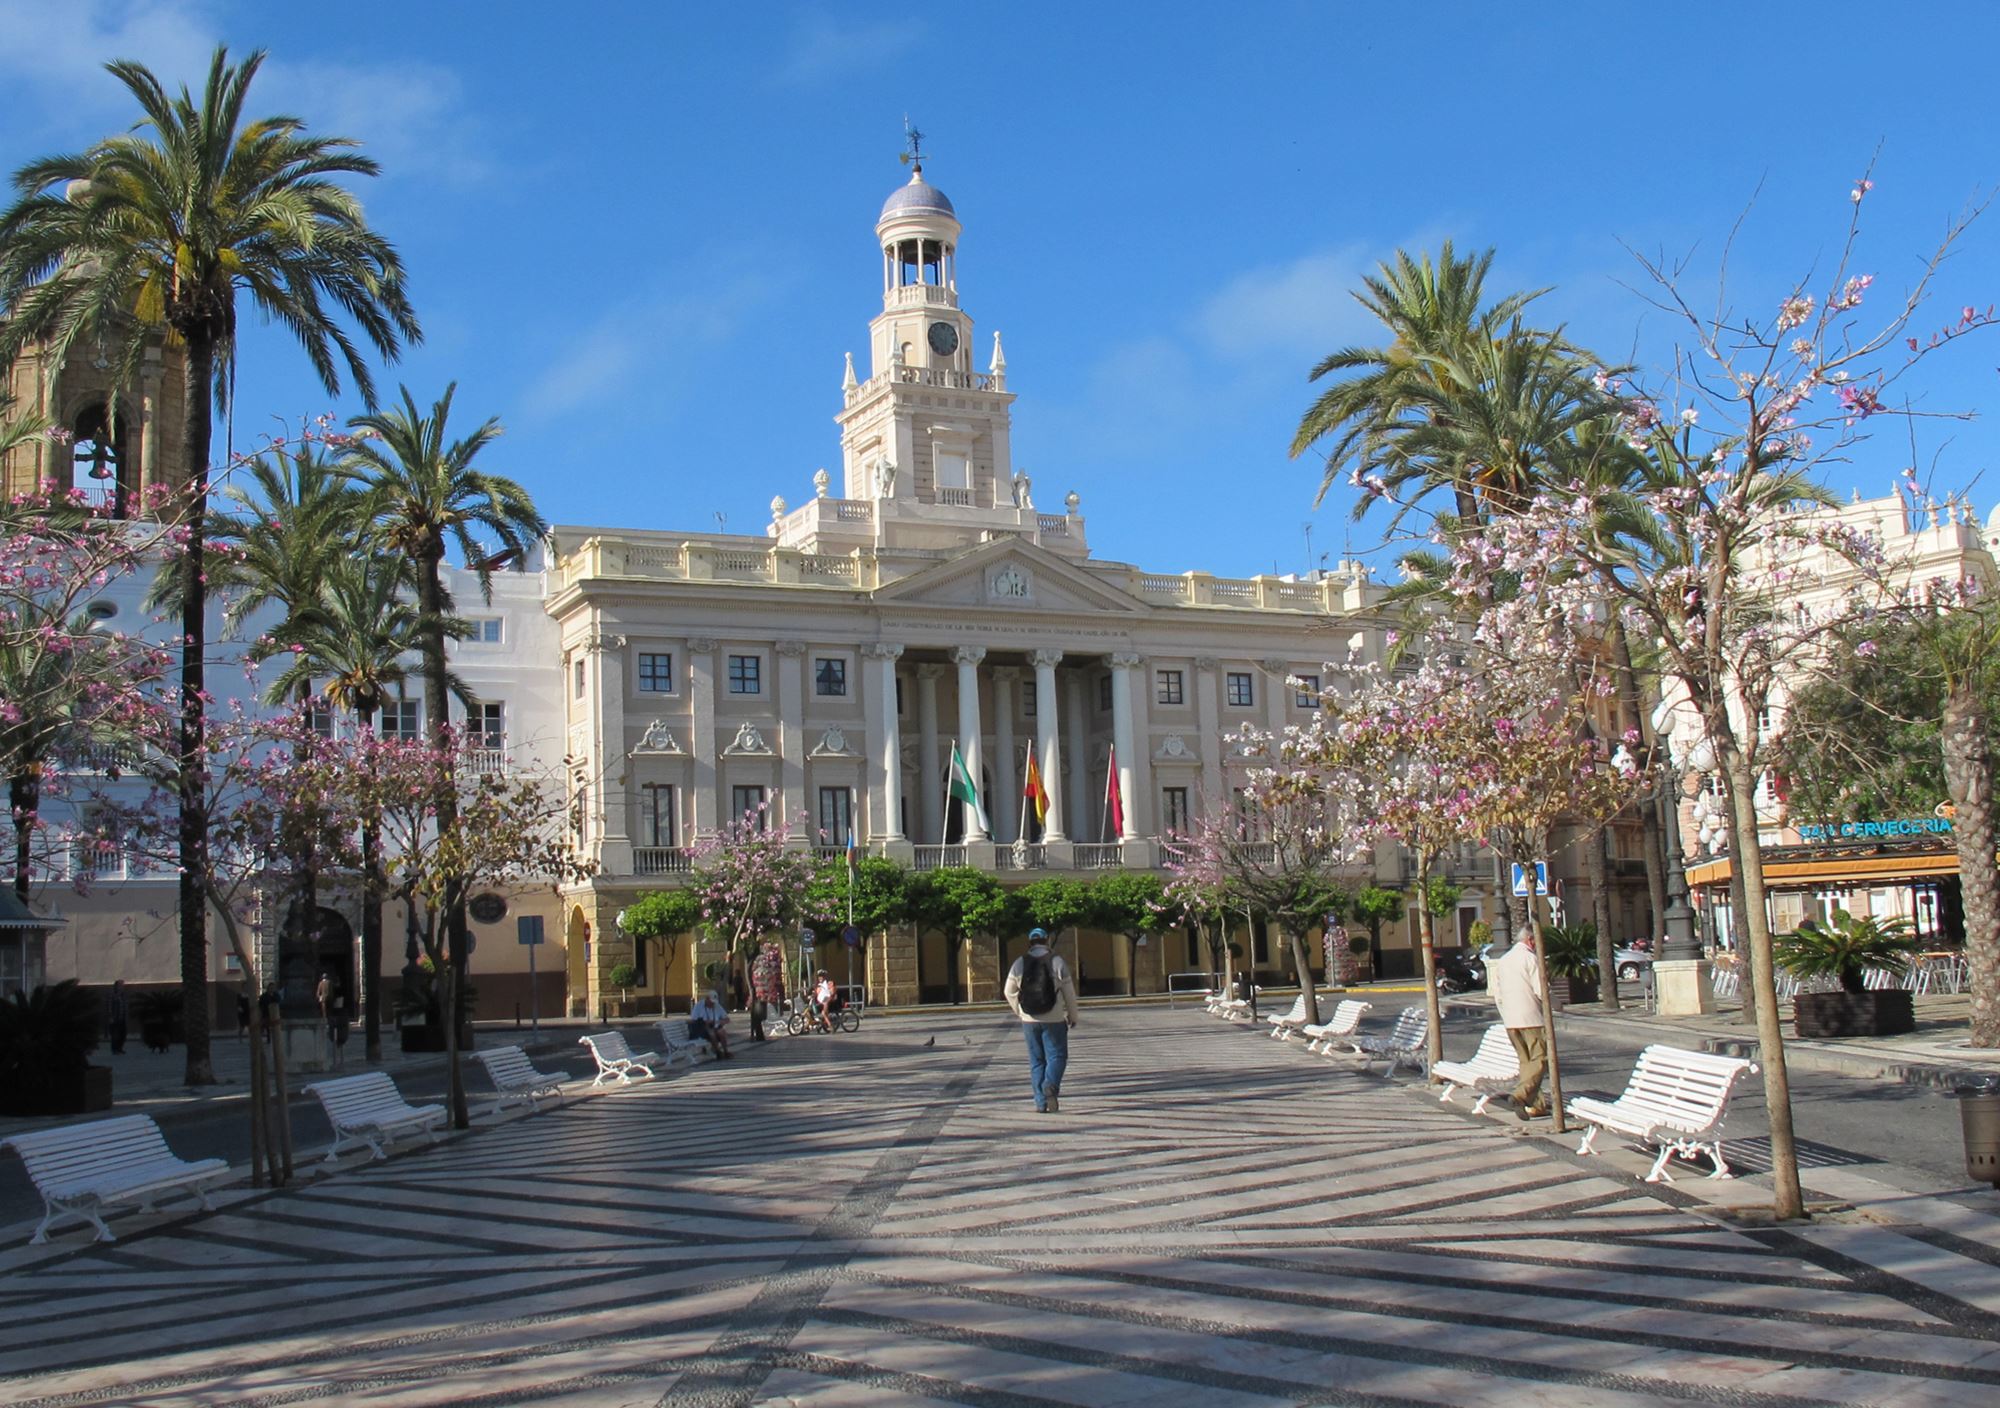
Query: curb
[1812, 1056]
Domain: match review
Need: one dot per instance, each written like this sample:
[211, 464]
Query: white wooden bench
[1403, 1046]
[1675, 1101]
[616, 1060]
[515, 1077]
[1285, 1023]
[679, 1045]
[83, 1170]
[1346, 1019]
[368, 1109]
[1494, 1067]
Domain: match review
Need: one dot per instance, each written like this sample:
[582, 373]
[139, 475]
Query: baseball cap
[1038, 933]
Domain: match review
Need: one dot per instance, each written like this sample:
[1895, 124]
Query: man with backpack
[1043, 996]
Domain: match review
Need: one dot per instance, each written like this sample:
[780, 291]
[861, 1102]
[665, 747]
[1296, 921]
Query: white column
[967, 658]
[927, 754]
[1006, 790]
[1047, 740]
[1078, 742]
[1121, 738]
[885, 737]
[792, 735]
[1208, 715]
[701, 743]
[615, 852]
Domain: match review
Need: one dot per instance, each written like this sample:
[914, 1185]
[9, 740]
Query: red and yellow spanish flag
[1033, 793]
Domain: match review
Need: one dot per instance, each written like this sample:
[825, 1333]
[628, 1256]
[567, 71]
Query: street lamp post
[1681, 983]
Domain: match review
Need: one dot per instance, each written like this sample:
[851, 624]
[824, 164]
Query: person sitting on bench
[709, 1022]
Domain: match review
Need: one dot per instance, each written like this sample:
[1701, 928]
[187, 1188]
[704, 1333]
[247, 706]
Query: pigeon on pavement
[930, 1042]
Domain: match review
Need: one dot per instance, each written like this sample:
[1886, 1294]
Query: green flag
[963, 789]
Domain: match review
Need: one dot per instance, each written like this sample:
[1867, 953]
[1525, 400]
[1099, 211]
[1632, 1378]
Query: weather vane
[914, 157]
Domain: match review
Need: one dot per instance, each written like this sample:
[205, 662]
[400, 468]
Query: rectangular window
[657, 825]
[1168, 687]
[746, 674]
[1240, 692]
[836, 815]
[656, 673]
[486, 725]
[1305, 694]
[830, 678]
[1028, 701]
[485, 629]
[743, 801]
[577, 671]
[1174, 810]
[899, 696]
[402, 718]
[319, 718]
[1103, 692]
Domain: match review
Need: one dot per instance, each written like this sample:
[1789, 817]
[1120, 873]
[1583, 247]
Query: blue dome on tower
[917, 197]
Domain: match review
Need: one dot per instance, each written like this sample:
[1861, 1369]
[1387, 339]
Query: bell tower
[925, 428]
[108, 442]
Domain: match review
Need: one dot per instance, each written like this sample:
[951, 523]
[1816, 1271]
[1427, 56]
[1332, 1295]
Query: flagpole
[1028, 802]
[952, 762]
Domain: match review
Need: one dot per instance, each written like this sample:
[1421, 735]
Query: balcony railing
[486, 762]
[1023, 856]
[662, 860]
[1092, 856]
[942, 858]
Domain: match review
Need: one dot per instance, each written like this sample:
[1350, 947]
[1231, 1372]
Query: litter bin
[1979, 1113]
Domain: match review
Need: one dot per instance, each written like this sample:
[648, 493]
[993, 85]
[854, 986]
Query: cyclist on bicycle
[825, 1000]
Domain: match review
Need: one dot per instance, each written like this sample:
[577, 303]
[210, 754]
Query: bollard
[1979, 1114]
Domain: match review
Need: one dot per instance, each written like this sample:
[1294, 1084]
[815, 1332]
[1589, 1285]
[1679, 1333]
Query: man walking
[1514, 979]
[116, 1017]
[1043, 995]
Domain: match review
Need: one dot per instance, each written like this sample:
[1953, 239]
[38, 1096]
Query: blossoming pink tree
[1706, 550]
[752, 881]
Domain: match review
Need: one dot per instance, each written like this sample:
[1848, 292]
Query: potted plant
[159, 1017]
[1569, 952]
[46, 1037]
[1845, 948]
[624, 977]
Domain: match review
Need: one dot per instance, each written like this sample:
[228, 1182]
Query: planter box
[1564, 991]
[1887, 1012]
[85, 1093]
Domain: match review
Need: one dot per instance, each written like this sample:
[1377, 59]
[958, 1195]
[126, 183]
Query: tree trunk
[1303, 963]
[1788, 1200]
[1534, 930]
[1426, 946]
[24, 796]
[1597, 874]
[1968, 773]
[430, 598]
[371, 939]
[197, 391]
[263, 1169]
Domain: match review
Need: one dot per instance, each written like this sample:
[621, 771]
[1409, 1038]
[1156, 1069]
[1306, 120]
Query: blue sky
[642, 234]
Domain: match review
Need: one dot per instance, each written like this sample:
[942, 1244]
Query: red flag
[1036, 795]
[1114, 804]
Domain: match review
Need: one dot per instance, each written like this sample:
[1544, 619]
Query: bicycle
[799, 1019]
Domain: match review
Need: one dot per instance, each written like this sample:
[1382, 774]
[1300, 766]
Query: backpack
[1038, 984]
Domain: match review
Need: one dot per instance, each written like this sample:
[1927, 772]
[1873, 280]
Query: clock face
[488, 908]
[944, 339]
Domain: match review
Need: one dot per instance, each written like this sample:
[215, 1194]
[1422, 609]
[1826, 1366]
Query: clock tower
[925, 428]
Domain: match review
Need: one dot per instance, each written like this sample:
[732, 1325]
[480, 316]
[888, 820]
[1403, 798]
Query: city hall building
[928, 598]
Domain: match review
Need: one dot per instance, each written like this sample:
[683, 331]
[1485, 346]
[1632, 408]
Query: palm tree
[156, 231]
[423, 495]
[283, 529]
[1435, 316]
[353, 643]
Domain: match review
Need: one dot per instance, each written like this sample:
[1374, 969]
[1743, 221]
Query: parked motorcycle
[1460, 973]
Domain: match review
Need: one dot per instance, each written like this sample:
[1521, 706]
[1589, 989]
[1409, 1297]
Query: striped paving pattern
[1213, 1218]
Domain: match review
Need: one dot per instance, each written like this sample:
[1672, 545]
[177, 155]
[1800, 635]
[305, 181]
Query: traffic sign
[851, 936]
[1541, 878]
[528, 927]
[807, 938]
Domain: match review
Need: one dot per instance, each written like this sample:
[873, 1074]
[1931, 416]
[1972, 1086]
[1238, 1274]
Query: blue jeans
[1048, 1053]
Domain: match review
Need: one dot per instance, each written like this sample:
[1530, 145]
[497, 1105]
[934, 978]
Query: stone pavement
[1213, 1218]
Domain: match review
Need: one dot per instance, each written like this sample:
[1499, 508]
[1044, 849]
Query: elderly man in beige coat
[1515, 981]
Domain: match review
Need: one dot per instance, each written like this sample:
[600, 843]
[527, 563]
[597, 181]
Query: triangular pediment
[1009, 576]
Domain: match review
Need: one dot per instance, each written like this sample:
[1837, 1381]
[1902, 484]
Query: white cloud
[1302, 308]
[822, 47]
[64, 47]
[407, 115]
